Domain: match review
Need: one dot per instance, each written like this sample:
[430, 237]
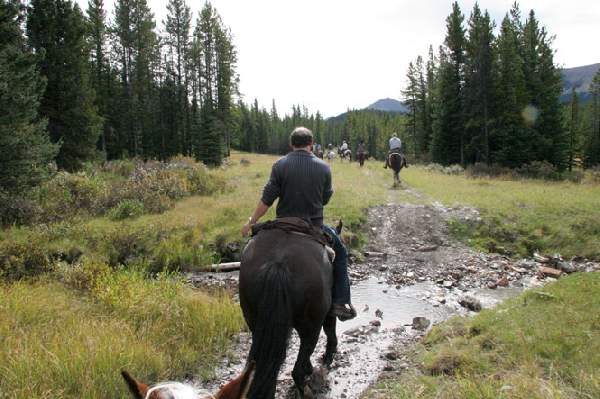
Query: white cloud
[331, 55]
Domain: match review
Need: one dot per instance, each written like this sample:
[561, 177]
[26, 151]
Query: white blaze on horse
[236, 389]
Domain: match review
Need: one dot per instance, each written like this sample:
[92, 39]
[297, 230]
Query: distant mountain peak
[388, 105]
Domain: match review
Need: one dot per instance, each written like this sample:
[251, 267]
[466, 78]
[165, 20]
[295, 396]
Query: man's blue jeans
[341, 282]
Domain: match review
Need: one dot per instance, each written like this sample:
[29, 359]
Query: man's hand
[246, 229]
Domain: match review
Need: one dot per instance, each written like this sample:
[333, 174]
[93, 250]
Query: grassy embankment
[519, 216]
[68, 327]
[543, 344]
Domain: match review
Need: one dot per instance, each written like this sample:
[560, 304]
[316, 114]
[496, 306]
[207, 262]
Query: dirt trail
[414, 269]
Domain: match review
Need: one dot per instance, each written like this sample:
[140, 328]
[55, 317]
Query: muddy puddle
[385, 315]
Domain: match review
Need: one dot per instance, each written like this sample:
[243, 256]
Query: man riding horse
[344, 151]
[302, 183]
[395, 148]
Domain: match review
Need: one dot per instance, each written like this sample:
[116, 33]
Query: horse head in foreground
[236, 389]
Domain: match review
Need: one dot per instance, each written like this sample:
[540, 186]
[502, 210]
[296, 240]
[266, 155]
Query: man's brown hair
[301, 137]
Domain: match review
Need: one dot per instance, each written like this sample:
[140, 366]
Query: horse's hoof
[328, 359]
[308, 393]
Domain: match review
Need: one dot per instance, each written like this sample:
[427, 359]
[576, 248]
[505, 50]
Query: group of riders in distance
[293, 272]
[345, 153]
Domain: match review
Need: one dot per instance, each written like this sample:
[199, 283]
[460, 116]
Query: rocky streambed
[411, 276]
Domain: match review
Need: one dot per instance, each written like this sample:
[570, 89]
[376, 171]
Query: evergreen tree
[593, 141]
[25, 148]
[430, 104]
[544, 85]
[574, 128]
[57, 29]
[511, 145]
[177, 27]
[448, 138]
[479, 86]
[411, 96]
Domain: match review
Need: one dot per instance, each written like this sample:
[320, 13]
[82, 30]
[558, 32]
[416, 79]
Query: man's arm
[269, 195]
[327, 189]
[259, 212]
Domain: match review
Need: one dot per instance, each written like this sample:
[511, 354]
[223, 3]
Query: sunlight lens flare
[530, 114]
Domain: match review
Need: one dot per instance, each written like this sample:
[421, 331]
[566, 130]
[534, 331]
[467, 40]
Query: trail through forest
[413, 275]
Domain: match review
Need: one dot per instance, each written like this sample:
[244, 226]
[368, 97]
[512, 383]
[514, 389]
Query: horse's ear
[247, 378]
[238, 388]
[138, 390]
[339, 227]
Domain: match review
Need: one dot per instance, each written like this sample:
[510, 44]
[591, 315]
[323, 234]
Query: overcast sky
[331, 55]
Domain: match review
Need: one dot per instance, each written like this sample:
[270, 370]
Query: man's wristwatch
[250, 221]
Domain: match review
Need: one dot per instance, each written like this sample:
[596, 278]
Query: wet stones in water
[503, 282]
[420, 323]
[470, 303]
[447, 284]
[566, 267]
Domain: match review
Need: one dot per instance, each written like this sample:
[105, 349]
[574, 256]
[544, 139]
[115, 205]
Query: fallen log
[225, 267]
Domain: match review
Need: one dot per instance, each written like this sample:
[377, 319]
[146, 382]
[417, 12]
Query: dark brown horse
[285, 283]
[397, 162]
[361, 158]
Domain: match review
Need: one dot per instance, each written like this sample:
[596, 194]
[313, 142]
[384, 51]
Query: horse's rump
[305, 260]
[285, 282]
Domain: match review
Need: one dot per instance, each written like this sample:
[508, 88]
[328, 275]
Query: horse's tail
[272, 329]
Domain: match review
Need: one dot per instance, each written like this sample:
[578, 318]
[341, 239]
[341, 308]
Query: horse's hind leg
[303, 367]
[331, 349]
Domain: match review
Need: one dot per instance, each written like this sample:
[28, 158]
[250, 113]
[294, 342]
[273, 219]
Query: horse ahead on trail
[330, 155]
[396, 161]
[345, 154]
[286, 280]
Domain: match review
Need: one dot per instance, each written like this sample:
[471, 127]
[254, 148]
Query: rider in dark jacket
[302, 183]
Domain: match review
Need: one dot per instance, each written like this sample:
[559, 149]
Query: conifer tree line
[81, 86]
[264, 131]
[493, 96]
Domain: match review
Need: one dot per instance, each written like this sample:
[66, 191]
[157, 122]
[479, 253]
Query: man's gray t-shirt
[302, 182]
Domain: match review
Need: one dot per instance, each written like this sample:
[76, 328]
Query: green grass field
[522, 216]
[68, 327]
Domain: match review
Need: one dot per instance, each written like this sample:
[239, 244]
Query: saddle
[295, 225]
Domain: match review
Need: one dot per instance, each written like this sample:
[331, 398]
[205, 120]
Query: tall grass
[543, 344]
[63, 343]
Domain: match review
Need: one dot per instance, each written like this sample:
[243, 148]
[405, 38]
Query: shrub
[538, 170]
[481, 169]
[120, 167]
[16, 209]
[23, 259]
[127, 209]
[125, 245]
[448, 170]
[84, 275]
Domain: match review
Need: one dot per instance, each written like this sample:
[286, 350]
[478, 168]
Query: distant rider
[395, 148]
[361, 152]
[302, 182]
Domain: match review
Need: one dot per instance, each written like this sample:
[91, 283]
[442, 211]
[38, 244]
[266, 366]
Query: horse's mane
[180, 391]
